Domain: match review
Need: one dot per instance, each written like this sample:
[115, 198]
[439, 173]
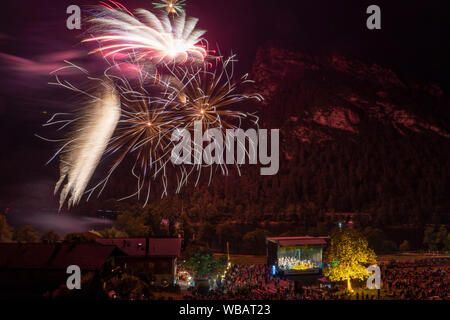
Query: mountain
[316, 93]
[356, 137]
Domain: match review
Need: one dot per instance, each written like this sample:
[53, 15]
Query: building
[154, 257]
[295, 255]
[31, 269]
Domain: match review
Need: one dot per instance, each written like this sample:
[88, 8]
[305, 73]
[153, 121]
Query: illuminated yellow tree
[348, 257]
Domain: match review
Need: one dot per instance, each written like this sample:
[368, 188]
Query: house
[153, 257]
[31, 269]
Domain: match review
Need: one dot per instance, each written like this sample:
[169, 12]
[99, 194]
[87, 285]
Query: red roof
[158, 247]
[292, 241]
[88, 256]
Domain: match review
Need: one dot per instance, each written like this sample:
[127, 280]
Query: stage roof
[293, 241]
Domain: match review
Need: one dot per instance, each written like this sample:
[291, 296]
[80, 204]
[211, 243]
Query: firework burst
[143, 133]
[135, 115]
[147, 36]
[154, 107]
[170, 6]
[207, 96]
[210, 98]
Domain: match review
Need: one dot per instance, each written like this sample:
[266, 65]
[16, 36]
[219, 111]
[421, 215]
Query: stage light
[274, 270]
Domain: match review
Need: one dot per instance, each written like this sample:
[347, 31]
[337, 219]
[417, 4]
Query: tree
[207, 233]
[78, 238]
[404, 246]
[26, 234]
[376, 238]
[95, 233]
[186, 229]
[50, 236]
[348, 256]
[441, 237]
[132, 224]
[226, 232]
[127, 287]
[430, 238]
[389, 246]
[6, 232]
[255, 240]
[201, 262]
[112, 233]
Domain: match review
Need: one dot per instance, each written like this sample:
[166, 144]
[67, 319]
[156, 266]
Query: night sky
[33, 40]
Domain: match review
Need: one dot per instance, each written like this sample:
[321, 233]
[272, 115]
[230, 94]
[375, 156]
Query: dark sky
[412, 38]
[413, 41]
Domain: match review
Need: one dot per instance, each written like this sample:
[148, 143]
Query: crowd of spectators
[418, 280]
[426, 279]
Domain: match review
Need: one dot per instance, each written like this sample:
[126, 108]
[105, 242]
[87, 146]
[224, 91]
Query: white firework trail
[82, 150]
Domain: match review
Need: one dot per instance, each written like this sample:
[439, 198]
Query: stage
[290, 256]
